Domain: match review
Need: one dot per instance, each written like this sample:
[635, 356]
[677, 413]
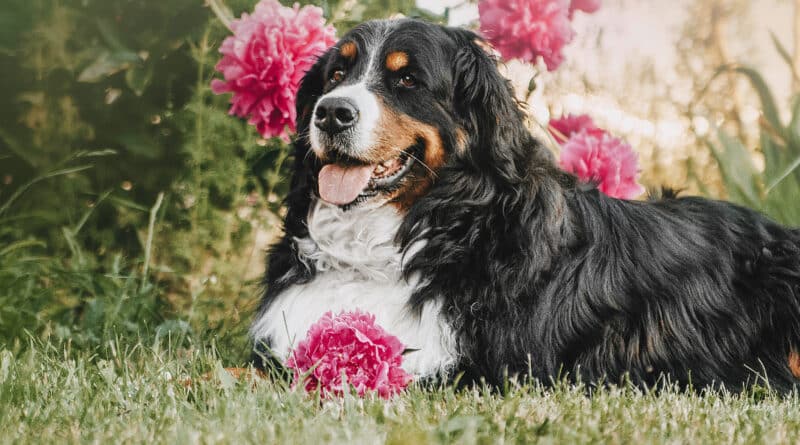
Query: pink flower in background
[563, 128]
[265, 59]
[349, 344]
[527, 29]
[611, 162]
[587, 6]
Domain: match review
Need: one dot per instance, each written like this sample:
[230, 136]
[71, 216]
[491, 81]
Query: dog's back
[704, 291]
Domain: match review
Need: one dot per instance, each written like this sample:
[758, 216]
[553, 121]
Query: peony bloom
[563, 128]
[527, 29]
[587, 6]
[599, 157]
[349, 344]
[265, 59]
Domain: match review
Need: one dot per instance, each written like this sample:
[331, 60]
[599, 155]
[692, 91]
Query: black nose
[335, 114]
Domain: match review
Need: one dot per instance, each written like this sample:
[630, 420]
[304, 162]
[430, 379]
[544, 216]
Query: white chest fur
[358, 267]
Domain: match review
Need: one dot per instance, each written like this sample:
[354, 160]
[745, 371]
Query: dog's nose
[335, 114]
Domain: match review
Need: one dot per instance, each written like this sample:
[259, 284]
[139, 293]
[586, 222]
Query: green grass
[136, 394]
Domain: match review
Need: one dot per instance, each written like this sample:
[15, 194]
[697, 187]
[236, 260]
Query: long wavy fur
[541, 274]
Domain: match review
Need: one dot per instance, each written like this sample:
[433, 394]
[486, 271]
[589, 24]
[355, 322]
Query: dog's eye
[407, 81]
[337, 76]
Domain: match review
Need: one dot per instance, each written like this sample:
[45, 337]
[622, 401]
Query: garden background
[134, 212]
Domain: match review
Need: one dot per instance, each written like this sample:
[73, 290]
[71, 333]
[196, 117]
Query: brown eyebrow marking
[348, 50]
[396, 60]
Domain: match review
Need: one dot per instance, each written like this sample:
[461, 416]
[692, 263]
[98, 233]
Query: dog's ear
[298, 199]
[489, 112]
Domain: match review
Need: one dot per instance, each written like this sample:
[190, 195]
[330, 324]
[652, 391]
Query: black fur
[541, 273]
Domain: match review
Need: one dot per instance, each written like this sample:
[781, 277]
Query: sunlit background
[638, 67]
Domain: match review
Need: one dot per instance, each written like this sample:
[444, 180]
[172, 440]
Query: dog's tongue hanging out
[341, 185]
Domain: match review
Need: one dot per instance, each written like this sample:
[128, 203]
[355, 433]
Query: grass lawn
[137, 395]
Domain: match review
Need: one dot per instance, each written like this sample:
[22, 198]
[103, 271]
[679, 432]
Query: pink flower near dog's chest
[349, 349]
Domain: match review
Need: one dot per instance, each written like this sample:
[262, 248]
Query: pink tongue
[342, 185]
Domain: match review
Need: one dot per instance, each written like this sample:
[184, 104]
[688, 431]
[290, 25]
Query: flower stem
[222, 12]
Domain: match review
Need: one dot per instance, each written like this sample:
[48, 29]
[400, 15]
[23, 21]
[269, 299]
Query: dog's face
[381, 117]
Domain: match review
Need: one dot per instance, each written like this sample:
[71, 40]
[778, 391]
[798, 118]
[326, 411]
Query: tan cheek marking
[348, 50]
[794, 363]
[398, 132]
[396, 61]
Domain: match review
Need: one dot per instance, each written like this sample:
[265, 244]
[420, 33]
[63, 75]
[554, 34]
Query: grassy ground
[137, 395]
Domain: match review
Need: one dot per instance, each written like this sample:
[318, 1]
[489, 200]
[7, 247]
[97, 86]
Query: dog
[418, 195]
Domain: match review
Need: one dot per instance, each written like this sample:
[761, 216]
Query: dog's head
[384, 111]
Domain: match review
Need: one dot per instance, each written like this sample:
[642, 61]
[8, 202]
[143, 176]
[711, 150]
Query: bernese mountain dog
[419, 195]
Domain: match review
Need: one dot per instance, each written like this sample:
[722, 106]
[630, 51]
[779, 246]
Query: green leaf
[771, 113]
[740, 175]
[94, 153]
[139, 77]
[784, 53]
[32, 182]
[794, 127]
[24, 244]
[770, 110]
[784, 174]
[107, 64]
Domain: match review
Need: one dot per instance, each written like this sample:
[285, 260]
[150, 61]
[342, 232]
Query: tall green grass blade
[24, 244]
[89, 212]
[771, 113]
[20, 191]
[793, 129]
[785, 174]
[149, 245]
[785, 55]
[738, 171]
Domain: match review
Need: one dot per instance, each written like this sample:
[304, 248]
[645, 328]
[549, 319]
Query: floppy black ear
[298, 199]
[490, 114]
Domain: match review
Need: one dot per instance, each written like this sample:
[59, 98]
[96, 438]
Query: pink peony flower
[587, 6]
[527, 29]
[611, 162]
[265, 59]
[563, 128]
[349, 344]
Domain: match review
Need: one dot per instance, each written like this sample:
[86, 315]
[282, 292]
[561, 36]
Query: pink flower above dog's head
[527, 29]
[596, 156]
[349, 350]
[265, 59]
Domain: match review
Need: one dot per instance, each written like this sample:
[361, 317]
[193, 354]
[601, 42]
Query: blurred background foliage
[132, 204]
[107, 107]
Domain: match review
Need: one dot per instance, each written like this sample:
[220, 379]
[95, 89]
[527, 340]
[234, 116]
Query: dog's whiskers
[418, 160]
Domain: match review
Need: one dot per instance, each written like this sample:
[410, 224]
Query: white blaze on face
[369, 114]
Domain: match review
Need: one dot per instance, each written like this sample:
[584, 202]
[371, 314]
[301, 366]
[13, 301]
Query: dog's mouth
[348, 181]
